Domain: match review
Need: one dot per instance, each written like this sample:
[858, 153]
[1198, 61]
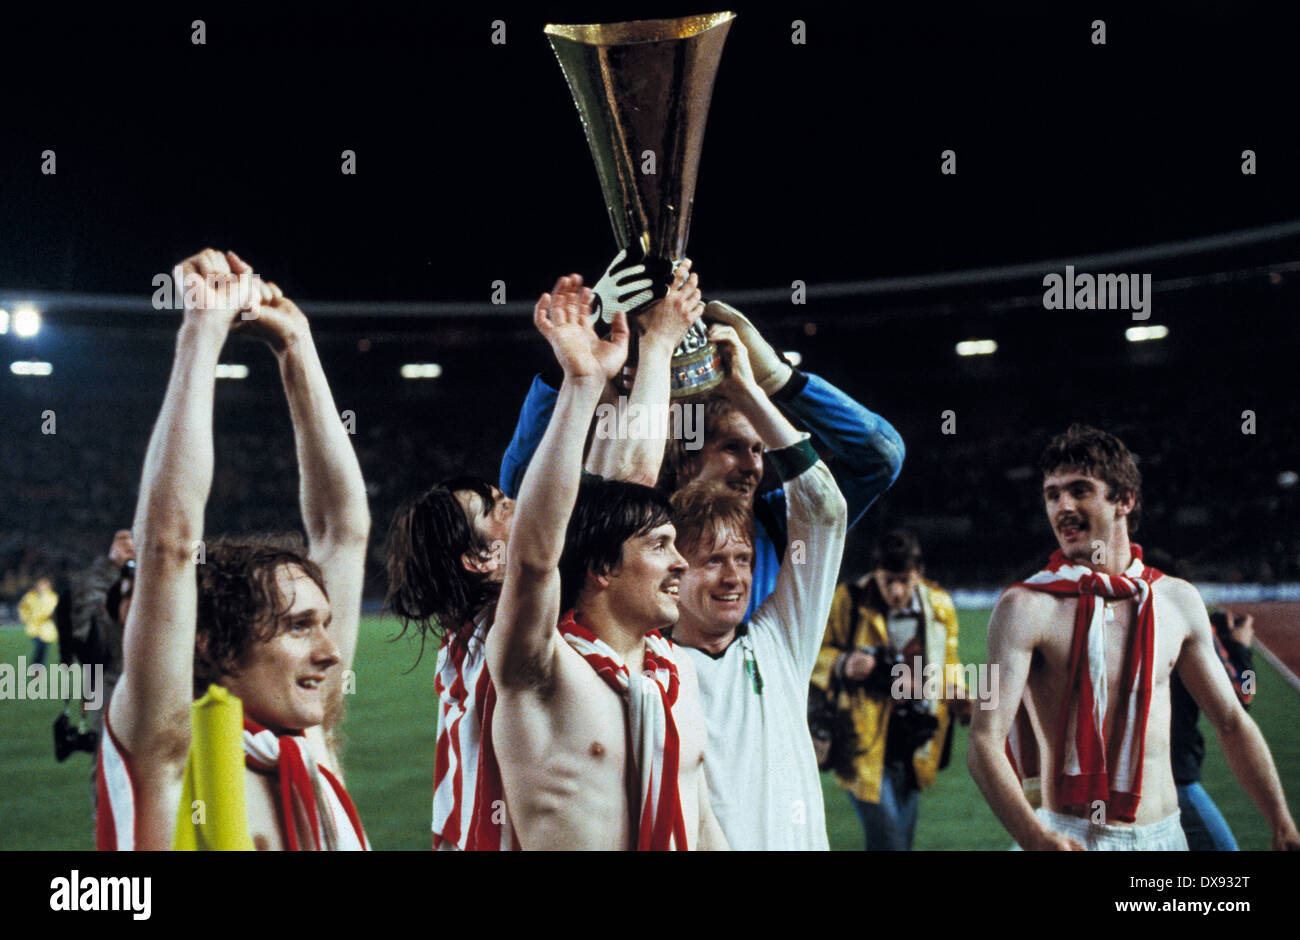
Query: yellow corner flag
[213, 815]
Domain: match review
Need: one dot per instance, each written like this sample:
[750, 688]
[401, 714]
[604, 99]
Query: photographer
[92, 607]
[896, 738]
[90, 621]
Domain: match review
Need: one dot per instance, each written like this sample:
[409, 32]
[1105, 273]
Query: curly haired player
[268, 624]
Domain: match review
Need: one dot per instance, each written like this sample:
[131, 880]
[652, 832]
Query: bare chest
[570, 767]
[565, 764]
[1052, 691]
[1117, 624]
[593, 727]
[1050, 670]
[592, 735]
[265, 818]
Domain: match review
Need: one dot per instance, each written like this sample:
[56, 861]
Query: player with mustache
[1089, 645]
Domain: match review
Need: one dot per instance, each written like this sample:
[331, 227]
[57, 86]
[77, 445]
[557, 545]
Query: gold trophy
[643, 90]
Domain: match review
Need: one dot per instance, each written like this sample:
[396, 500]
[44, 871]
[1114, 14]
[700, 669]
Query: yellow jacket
[871, 712]
[36, 611]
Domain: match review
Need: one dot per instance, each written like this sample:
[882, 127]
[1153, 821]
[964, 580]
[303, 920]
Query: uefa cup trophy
[643, 90]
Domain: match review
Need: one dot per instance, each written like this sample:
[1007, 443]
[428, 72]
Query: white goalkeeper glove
[624, 286]
[771, 372]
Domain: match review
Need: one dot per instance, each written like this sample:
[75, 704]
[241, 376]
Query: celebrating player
[597, 729]
[754, 672]
[446, 558]
[1089, 643]
[275, 627]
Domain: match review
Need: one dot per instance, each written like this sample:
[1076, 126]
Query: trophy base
[697, 371]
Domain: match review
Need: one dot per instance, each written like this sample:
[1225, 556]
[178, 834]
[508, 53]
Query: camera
[69, 739]
[913, 722]
[881, 678]
[914, 725]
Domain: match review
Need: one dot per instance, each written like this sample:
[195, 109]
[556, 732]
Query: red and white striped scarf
[315, 806]
[468, 805]
[1082, 775]
[650, 697]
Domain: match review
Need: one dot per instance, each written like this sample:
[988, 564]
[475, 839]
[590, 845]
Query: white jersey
[763, 779]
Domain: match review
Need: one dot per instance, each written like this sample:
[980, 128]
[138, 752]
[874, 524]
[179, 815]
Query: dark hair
[680, 465]
[429, 588]
[1099, 454]
[897, 552]
[607, 514]
[703, 509]
[240, 602]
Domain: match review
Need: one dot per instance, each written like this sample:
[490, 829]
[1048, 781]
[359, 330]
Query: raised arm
[816, 520]
[868, 451]
[625, 286]
[522, 643]
[1202, 672]
[774, 429]
[150, 709]
[331, 491]
[637, 459]
[1012, 639]
[799, 606]
[815, 513]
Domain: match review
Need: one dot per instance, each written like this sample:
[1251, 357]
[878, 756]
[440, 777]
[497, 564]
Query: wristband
[789, 462]
[793, 386]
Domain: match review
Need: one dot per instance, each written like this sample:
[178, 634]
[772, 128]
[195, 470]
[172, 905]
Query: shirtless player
[1107, 788]
[608, 759]
[274, 627]
[446, 560]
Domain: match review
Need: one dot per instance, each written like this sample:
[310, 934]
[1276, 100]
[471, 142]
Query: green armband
[789, 462]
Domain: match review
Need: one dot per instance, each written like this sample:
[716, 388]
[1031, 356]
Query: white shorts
[1163, 836]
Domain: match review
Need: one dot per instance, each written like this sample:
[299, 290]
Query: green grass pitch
[388, 759]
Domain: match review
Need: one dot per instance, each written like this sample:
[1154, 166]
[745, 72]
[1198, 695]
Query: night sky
[821, 161]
